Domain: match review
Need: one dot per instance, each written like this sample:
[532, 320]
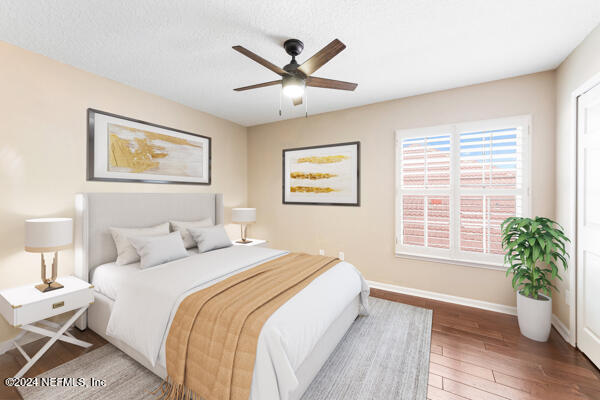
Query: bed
[134, 308]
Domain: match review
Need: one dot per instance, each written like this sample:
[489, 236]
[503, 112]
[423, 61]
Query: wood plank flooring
[481, 355]
[60, 352]
[475, 354]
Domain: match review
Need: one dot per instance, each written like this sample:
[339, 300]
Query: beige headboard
[96, 212]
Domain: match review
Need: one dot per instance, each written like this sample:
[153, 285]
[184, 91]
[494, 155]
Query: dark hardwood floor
[481, 355]
[475, 354]
[60, 352]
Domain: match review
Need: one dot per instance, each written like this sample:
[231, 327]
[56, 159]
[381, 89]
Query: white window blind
[455, 186]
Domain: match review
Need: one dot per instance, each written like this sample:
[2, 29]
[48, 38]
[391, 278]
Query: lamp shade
[293, 86]
[243, 215]
[48, 234]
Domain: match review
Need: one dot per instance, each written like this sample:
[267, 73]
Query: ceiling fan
[295, 77]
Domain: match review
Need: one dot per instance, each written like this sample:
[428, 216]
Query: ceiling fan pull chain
[280, 103]
[305, 103]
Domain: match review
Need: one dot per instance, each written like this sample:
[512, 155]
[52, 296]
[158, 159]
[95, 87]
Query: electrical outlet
[341, 255]
[321, 252]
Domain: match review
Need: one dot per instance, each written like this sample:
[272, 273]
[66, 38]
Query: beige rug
[124, 377]
[383, 356]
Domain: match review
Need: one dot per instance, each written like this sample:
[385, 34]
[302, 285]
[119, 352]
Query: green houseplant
[534, 249]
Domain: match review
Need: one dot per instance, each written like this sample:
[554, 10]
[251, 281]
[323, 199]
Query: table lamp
[243, 216]
[46, 235]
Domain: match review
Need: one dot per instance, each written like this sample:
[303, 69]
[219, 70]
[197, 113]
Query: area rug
[383, 356]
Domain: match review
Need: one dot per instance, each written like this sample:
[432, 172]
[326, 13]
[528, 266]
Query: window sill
[445, 260]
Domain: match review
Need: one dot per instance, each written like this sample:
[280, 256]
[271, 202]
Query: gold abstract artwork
[311, 175]
[322, 159]
[326, 174]
[140, 151]
[319, 162]
[311, 189]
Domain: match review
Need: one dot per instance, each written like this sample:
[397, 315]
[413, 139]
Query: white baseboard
[561, 329]
[465, 301]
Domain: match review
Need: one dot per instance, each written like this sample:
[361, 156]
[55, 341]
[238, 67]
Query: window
[456, 184]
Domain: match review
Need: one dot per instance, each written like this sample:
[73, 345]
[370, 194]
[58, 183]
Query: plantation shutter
[425, 174]
[490, 161]
[456, 184]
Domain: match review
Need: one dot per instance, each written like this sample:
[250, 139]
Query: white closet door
[588, 224]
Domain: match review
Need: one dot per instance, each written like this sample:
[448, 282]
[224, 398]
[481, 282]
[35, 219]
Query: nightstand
[24, 306]
[254, 242]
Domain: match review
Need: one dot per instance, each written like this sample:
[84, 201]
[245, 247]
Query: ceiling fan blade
[330, 83]
[324, 55]
[258, 85]
[260, 60]
[297, 100]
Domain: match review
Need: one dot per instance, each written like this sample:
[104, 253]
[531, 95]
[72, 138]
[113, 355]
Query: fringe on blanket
[171, 391]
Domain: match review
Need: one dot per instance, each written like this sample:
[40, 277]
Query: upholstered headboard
[96, 212]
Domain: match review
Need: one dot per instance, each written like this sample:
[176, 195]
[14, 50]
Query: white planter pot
[535, 316]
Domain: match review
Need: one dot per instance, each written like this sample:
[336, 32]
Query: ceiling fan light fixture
[295, 77]
[293, 86]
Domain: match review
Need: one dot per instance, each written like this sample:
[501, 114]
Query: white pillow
[156, 250]
[211, 238]
[183, 226]
[125, 251]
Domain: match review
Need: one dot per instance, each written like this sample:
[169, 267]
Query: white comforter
[145, 306]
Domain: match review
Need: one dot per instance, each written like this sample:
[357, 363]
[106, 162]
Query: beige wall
[42, 163]
[366, 233]
[581, 65]
[43, 153]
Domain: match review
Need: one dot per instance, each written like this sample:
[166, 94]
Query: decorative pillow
[211, 238]
[156, 250]
[125, 251]
[183, 226]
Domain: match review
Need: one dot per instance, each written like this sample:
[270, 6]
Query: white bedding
[146, 302]
[107, 278]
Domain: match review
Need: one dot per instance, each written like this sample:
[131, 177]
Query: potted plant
[534, 248]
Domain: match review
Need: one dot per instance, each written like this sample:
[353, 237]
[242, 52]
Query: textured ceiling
[181, 49]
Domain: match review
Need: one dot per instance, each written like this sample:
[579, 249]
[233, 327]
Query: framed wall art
[322, 175]
[129, 150]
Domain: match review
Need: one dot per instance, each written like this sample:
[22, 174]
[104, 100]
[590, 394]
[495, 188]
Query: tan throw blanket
[211, 347]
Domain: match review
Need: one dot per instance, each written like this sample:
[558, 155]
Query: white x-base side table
[25, 306]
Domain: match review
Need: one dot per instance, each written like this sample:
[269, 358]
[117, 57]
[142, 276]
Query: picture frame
[122, 149]
[326, 175]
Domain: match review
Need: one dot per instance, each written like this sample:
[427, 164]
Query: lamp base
[47, 287]
[244, 241]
